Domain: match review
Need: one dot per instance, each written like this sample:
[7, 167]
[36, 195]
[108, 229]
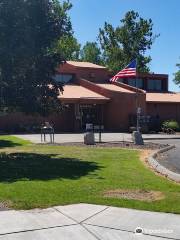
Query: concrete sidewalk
[87, 222]
[106, 137]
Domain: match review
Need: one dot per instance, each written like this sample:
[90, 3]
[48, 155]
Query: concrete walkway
[88, 222]
[77, 137]
[106, 137]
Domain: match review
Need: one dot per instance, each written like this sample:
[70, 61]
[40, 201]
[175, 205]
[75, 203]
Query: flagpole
[137, 135]
[137, 114]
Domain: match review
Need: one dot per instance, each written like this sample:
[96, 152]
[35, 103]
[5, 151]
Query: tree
[29, 31]
[126, 42]
[91, 53]
[177, 75]
[69, 47]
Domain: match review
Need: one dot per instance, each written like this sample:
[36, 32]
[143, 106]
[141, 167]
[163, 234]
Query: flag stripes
[129, 71]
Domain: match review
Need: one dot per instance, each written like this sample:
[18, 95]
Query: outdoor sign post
[138, 118]
[100, 131]
[100, 134]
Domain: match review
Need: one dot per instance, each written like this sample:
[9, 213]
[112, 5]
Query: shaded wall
[19, 122]
[91, 74]
[165, 111]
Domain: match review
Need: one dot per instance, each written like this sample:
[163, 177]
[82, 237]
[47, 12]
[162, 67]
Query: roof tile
[163, 97]
[77, 92]
[115, 88]
[85, 64]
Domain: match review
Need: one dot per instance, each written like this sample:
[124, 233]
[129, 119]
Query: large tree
[91, 53]
[29, 31]
[69, 47]
[130, 40]
[177, 75]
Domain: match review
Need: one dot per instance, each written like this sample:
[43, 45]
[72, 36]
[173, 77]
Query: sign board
[89, 126]
[138, 110]
[98, 127]
[144, 119]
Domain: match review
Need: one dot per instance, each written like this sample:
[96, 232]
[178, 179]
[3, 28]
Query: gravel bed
[130, 145]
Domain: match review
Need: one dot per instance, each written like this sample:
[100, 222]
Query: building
[89, 97]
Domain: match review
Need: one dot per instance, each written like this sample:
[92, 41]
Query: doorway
[91, 114]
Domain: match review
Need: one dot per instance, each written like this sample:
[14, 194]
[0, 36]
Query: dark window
[63, 78]
[154, 84]
[121, 80]
[135, 82]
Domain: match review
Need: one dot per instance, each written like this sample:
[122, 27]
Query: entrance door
[90, 114]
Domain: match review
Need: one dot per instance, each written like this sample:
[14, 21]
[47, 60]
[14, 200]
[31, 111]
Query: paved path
[171, 159]
[106, 137]
[78, 137]
[88, 222]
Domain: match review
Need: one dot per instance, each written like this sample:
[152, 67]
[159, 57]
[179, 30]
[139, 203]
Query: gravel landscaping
[129, 145]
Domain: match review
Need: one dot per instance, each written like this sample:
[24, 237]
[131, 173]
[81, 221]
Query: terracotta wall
[165, 111]
[120, 107]
[94, 75]
[91, 74]
[19, 122]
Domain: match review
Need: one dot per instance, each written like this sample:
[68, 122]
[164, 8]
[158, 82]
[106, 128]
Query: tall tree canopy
[177, 75]
[91, 53]
[29, 31]
[69, 47]
[126, 42]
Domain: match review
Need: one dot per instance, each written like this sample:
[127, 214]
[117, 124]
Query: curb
[160, 138]
[161, 169]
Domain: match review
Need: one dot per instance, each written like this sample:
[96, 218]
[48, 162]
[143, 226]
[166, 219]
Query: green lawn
[41, 176]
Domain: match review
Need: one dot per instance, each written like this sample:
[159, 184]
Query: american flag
[129, 71]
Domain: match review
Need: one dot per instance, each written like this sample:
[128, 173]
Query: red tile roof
[115, 88]
[163, 97]
[84, 64]
[76, 92]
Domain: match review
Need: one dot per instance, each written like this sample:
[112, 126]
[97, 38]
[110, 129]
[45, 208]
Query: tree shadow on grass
[31, 166]
[8, 143]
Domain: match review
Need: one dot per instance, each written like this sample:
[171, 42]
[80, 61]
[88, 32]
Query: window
[135, 82]
[154, 84]
[120, 80]
[63, 78]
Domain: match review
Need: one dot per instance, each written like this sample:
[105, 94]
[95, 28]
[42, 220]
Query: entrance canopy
[79, 94]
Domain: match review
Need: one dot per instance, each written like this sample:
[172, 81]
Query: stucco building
[89, 97]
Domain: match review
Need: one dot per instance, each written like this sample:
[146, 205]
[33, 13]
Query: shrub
[171, 124]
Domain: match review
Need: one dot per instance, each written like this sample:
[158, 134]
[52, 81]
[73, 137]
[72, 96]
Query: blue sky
[89, 15]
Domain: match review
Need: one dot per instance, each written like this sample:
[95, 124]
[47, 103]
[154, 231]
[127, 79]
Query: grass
[11, 141]
[41, 176]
